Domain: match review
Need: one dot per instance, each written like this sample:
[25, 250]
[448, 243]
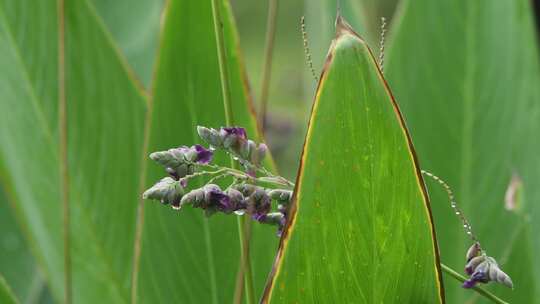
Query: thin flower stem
[268, 52]
[201, 173]
[285, 181]
[459, 213]
[279, 180]
[229, 119]
[213, 179]
[306, 48]
[479, 290]
[381, 44]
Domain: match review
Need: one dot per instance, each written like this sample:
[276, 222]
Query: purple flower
[259, 204]
[204, 156]
[183, 182]
[238, 131]
[220, 200]
[259, 216]
[479, 276]
[196, 153]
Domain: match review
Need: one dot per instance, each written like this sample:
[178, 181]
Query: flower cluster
[482, 269]
[243, 195]
[234, 140]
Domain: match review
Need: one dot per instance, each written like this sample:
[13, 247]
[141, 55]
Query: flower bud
[473, 263]
[237, 199]
[258, 155]
[217, 199]
[194, 197]
[166, 159]
[280, 195]
[473, 251]
[246, 149]
[180, 171]
[236, 131]
[233, 137]
[246, 189]
[273, 218]
[167, 190]
[483, 269]
[229, 142]
[211, 136]
[258, 204]
[497, 275]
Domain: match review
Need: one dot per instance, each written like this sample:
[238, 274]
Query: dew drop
[240, 212]
[457, 212]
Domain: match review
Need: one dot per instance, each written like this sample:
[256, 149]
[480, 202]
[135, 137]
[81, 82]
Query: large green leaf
[185, 257]
[466, 74]
[360, 228]
[134, 25]
[17, 264]
[105, 114]
[6, 295]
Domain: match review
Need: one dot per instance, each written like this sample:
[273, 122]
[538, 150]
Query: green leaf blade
[361, 229]
[105, 116]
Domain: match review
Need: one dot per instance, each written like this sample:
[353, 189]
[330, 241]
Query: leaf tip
[344, 28]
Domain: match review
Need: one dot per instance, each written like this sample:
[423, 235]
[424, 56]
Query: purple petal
[265, 204]
[222, 200]
[204, 156]
[470, 283]
[480, 276]
[259, 216]
[241, 132]
[183, 182]
[477, 277]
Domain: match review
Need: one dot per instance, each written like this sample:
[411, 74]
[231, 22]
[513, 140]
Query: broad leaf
[186, 257]
[134, 25]
[359, 228]
[466, 74]
[105, 115]
[17, 264]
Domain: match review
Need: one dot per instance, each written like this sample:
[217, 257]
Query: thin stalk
[268, 55]
[229, 119]
[479, 290]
